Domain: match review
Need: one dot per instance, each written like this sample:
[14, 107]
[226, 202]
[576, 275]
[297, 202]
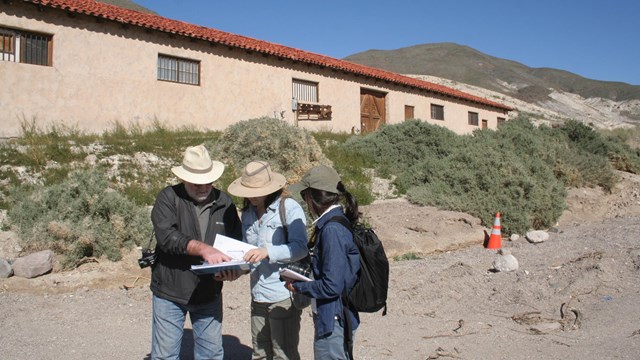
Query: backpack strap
[343, 221]
[282, 209]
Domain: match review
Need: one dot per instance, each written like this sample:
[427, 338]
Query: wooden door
[372, 111]
[408, 112]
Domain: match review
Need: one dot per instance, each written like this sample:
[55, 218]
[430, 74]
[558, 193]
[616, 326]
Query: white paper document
[232, 247]
[292, 275]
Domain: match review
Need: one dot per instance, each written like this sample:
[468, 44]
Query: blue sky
[598, 40]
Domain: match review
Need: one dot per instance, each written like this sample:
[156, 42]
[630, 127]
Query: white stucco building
[90, 65]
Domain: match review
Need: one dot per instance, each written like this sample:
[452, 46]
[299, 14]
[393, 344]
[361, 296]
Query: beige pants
[275, 330]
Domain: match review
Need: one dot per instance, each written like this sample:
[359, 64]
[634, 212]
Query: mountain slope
[127, 4]
[462, 63]
[558, 92]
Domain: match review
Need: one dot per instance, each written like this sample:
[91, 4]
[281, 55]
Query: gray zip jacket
[175, 222]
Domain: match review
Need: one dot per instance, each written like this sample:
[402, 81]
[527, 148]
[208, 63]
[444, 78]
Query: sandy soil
[448, 304]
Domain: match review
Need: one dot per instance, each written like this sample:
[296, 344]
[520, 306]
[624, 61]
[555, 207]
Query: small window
[178, 70]
[7, 42]
[25, 47]
[473, 118]
[501, 121]
[437, 112]
[409, 112]
[305, 91]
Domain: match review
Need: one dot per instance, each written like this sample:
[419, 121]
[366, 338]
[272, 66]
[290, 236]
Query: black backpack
[369, 294]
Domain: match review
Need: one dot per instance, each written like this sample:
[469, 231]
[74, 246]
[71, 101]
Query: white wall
[104, 72]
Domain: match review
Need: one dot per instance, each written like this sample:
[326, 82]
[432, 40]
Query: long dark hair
[267, 201]
[321, 200]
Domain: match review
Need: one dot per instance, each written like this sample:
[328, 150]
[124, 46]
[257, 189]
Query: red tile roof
[159, 23]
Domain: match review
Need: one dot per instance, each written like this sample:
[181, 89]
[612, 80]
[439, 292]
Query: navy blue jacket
[336, 262]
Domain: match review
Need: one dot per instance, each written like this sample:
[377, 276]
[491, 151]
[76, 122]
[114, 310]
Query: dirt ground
[574, 296]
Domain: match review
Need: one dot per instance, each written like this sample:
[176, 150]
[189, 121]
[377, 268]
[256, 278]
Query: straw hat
[257, 180]
[197, 167]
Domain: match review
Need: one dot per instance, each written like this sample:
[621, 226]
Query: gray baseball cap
[320, 177]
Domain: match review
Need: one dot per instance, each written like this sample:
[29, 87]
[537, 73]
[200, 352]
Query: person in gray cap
[186, 218]
[335, 260]
[275, 321]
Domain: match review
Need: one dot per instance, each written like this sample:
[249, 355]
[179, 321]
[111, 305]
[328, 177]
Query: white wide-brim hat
[197, 166]
[257, 180]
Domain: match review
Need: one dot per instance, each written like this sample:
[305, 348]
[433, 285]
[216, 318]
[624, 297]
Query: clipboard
[209, 269]
[231, 247]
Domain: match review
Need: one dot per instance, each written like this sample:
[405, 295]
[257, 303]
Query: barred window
[473, 118]
[501, 121]
[25, 47]
[7, 42]
[437, 112]
[305, 91]
[178, 70]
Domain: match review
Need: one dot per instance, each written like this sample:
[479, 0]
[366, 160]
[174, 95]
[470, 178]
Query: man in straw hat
[275, 321]
[186, 218]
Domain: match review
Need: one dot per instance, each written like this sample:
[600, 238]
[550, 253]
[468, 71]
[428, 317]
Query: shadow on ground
[233, 348]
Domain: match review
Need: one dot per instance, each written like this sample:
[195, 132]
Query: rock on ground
[448, 304]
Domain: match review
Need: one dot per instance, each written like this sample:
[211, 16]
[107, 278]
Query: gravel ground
[449, 304]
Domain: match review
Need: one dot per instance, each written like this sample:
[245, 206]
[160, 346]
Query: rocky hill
[549, 95]
[128, 4]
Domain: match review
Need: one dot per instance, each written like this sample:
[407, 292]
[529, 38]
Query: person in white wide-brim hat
[275, 321]
[186, 218]
[197, 166]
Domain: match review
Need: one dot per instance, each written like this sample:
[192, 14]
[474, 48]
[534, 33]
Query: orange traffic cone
[495, 240]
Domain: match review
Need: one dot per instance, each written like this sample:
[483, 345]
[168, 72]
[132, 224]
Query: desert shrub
[613, 147]
[629, 136]
[578, 168]
[508, 171]
[351, 165]
[158, 138]
[396, 148]
[572, 163]
[42, 145]
[289, 150]
[79, 217]
[481, 178]
[407, 256]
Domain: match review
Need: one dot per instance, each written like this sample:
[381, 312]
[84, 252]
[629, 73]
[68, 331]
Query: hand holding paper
[231, 247]
[207, 269]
